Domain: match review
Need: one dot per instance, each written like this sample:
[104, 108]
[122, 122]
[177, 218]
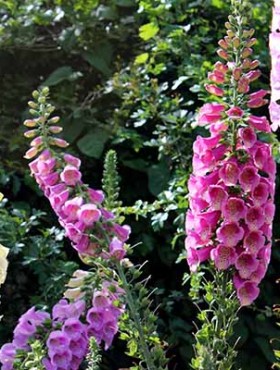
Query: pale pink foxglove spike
[274, 45]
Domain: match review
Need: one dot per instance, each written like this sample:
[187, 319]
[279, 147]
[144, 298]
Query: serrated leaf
[92, 144]
[148, 30]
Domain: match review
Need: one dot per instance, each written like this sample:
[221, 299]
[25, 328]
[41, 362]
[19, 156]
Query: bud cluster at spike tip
[66, 333]
[231, 189]
[90, 227]
[274, 45]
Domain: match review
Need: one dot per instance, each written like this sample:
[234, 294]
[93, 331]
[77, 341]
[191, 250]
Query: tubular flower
[274, 39]
[90, 227]
[231, 189]
[66, 332]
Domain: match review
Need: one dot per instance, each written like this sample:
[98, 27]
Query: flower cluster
[66, 333]
[231, 190]
[27, 327]
[90, 227]
[274, 38]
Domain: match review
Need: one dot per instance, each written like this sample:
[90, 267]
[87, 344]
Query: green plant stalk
[136, 318]
[212, 348]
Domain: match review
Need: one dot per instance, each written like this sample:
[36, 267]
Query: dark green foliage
[39, 267]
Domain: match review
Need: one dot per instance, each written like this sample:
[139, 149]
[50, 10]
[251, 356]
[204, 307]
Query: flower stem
[134, 312]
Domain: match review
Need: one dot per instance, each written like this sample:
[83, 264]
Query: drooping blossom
[90, 227]
[231, 189]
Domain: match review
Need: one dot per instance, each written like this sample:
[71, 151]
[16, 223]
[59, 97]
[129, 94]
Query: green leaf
[59, 75]
[158, 177]
[218, 3]
[142, 58]
[147, 31]
[92, 144]
[100, 58]
[265, 347]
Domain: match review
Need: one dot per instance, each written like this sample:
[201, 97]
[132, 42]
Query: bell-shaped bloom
[223, 256]
[116, 249]
[216, 197]
[269, 211]
[73, 328]
[70, 175]
[248, 137]
[229, 173]
[234, 209]
[259, 123]
[261, 155]
[230, 234]
[57, 341]
[235, 113]
[71, 208]
[210, 113]
[246, 264]
[74, 161]
[255, 218]
[61, 359]
[249, 178]
[88, 214]
[247, 292]
[196, 256]
[260, 194]
[254, 241]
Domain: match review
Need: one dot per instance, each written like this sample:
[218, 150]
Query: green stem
[136, 319]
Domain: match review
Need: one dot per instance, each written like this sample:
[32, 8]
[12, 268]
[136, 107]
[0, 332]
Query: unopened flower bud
[32, 104]
[228, 25]
[45, 91]
[236, 42]
[251, 42]
[246, 63]
[33, 112]
[223, 44]
[232, 19]
[32, 152]
[59, 142]
[243, 85]
[230, 33]
[237, 73]
[30, 133]
[227, 39]
[254, 64]
[55, 129]
[219, 66]
[35, 94]
[216, 76]
[212, 89]
[30, 123]
[253, 75]
[223, 54]
[37, 141]
[248, 33]
[42, 99]
[54, 119]
[246, 52]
